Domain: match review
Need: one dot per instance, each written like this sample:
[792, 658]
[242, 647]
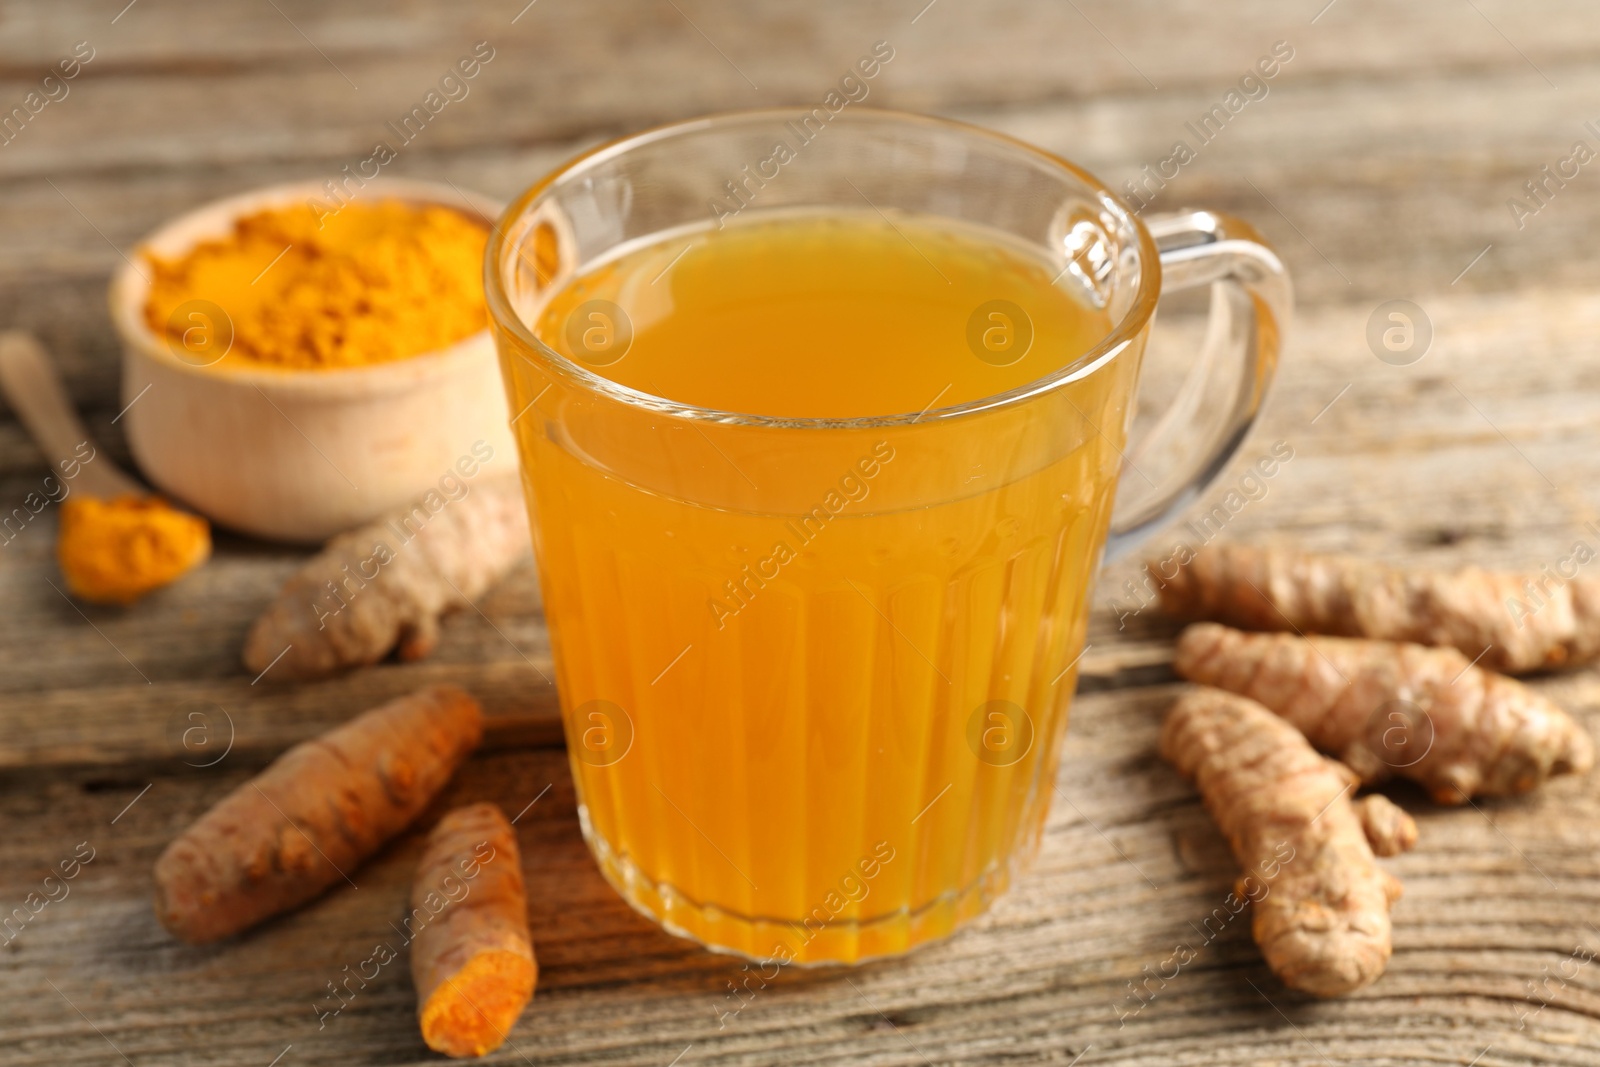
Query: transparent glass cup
[846, 749]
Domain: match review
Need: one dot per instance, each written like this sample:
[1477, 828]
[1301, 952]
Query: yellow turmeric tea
[299, 289]
[815, 679]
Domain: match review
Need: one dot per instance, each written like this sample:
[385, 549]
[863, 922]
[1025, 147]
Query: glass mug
[814, 670]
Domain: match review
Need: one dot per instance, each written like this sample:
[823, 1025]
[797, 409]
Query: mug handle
[1251, 301]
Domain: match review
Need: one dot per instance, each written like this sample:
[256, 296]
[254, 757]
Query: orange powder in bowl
[373, 283]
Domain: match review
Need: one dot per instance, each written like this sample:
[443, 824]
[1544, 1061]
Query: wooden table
[1381, 161]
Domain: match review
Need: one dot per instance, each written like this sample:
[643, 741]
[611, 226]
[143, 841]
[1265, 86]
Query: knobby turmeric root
[1388, 709]
[1390, 831]
[316, 812]
[1526, 622]
[1322, 902]
[384, 586]
[472, 961]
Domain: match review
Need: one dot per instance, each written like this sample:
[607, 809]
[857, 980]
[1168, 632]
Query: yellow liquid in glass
[815, 680]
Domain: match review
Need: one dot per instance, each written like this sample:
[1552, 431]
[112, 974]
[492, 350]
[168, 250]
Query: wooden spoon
[34, 389]
[117, 541]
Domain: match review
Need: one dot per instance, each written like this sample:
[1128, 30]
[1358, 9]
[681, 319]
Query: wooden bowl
[299, 455]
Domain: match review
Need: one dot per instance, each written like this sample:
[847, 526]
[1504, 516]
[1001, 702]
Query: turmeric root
[1384, 708]
[1321, 900]
[386, 585]
[1389, 829]
[1525, 622]
[317, 811]
[472, 961]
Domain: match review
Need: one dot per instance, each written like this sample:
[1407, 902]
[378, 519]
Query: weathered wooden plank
[340, 73]
[1129, 863]
[103, 685]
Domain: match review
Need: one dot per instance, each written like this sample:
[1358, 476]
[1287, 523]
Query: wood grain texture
[1381, 161]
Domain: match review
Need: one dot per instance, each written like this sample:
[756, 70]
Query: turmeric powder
[115, 551]
[372, 284]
